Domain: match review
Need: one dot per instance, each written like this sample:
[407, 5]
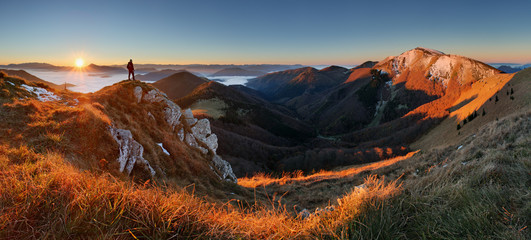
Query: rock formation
[130, 151]
[195, 133]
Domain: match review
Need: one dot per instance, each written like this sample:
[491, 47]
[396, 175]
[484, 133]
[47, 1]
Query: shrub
[3, 74]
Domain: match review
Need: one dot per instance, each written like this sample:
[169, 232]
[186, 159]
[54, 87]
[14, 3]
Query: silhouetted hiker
[131, 69]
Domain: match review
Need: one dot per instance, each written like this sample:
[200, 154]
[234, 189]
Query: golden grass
[42, 196]
[260, 180]
[480, 92]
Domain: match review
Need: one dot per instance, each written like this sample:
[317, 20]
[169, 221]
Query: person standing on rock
[131, 69]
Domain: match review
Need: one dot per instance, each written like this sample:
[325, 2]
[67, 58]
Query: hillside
[179, 84]
[250, 129]
[128, 129]
[284, 85]
[156, 75]
[25, 75]
[479, 100]
[237, 72]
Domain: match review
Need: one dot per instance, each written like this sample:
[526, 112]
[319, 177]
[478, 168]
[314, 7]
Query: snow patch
[163, 149]
[42, 94]
[11, 83]
[459, 147]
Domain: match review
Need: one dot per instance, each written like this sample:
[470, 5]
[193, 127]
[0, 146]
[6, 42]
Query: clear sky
[260, 31]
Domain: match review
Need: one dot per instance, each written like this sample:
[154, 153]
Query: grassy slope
[31, 78]
[42, 196]
[477, 98]
[179, 85]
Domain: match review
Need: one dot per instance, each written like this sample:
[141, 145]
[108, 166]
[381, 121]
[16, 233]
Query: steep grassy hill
[179, 84]
[128, 129]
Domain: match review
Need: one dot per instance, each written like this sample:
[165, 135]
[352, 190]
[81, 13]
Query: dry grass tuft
[43, 196]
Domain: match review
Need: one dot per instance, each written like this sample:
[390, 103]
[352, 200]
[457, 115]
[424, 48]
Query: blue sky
[252, 31]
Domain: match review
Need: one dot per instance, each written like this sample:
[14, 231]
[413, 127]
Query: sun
[79, 62]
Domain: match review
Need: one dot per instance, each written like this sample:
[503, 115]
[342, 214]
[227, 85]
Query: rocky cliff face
[191, 131]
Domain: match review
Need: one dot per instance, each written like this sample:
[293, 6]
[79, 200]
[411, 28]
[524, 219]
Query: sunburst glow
[79, 62]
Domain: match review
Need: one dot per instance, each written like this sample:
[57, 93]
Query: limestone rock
[202, 150]
[130, 151]
[138, 94]
[172, 115]
[212, 142]
[180, 134]
[225, 169]
[201, 129]
[153, 96]
[189, 117]
[190, 140]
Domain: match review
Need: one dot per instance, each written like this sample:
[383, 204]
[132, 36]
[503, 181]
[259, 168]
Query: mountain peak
[430, 51]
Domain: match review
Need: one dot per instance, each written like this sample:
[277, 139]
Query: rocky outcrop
[212, 142]
[138, 94]
[189, 117]
[153, 96]
[224, 168]
[201, 129]
[172, 115]
[172, 111]
[130, 151]
[195, 133]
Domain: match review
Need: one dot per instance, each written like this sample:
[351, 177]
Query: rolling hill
[31, 78]
[284, 85]
[179, 84]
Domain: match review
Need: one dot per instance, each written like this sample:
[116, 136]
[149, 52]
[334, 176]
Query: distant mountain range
[387, 104]
[236, 71]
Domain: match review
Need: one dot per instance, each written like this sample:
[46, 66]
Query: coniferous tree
[458, 126]
[496, 100]
[512, 91]
[483, 114]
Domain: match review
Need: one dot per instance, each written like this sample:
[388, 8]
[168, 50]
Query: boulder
[189, 117]
[201, 129]
[224, 169]
[190, 140]
[130, 151]
[138, 94]
[180, 134]
[172, 115]
[154, 96]
[212, 142]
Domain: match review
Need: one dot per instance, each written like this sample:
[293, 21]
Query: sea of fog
[89, 82]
